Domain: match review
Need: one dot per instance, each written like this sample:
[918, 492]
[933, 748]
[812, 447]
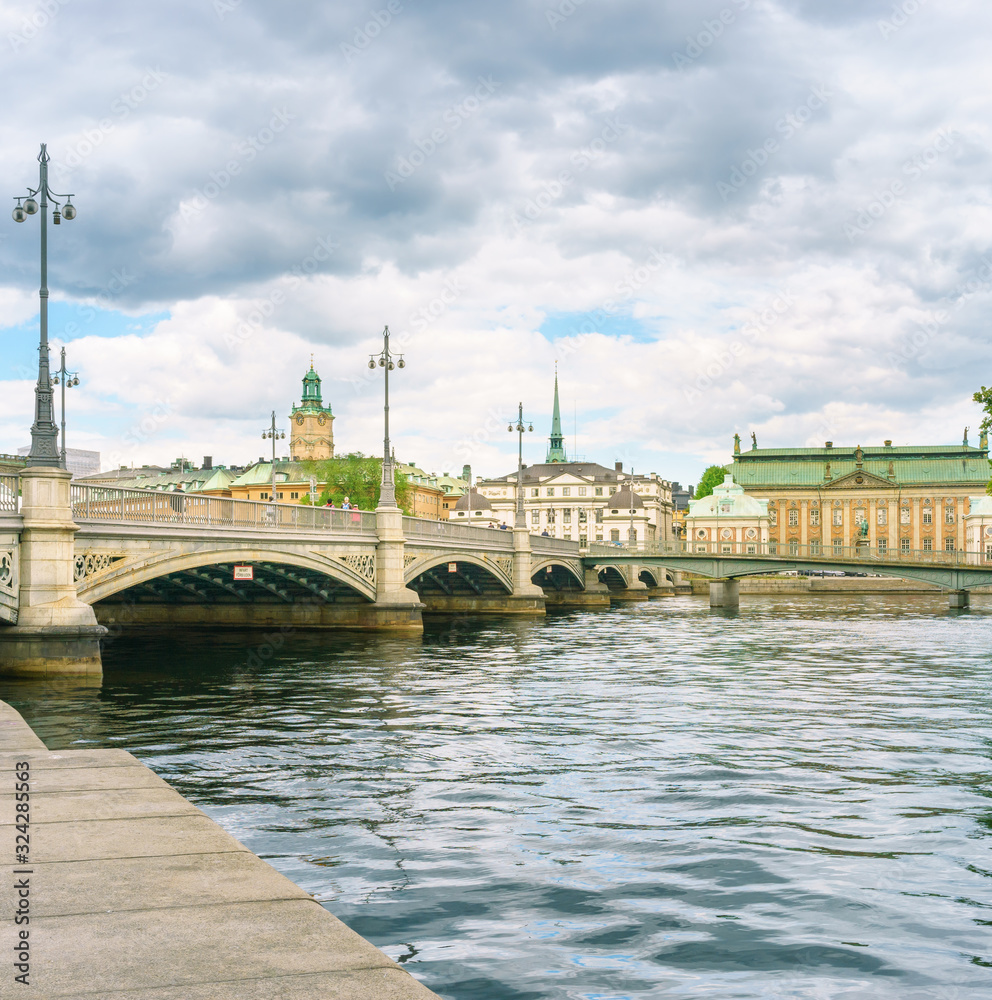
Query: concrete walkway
[137, 895]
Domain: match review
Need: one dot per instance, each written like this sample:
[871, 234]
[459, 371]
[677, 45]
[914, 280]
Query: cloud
[468, 175]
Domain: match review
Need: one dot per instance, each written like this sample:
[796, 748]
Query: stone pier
[135, 894]
[958, 599]
[725, 593]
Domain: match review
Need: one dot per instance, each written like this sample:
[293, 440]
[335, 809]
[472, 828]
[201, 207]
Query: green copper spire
[556, 450]
[311, 388]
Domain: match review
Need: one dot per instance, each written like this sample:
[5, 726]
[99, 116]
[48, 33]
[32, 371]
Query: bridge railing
[420, 528]
[542, 545]
[105, 503]
[783, 551]
[10, 487]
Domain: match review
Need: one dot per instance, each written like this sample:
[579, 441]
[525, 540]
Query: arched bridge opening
[556, 578]
[457, 578]
[261, 593]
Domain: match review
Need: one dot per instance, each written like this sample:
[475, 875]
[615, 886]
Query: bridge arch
[472, 575]
[556, 574]
[299, 573]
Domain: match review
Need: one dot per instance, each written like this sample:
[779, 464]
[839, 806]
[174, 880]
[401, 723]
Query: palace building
[311, 423]
[911, 498]
[581, 501]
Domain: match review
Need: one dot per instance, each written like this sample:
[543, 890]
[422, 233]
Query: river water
[654, 801]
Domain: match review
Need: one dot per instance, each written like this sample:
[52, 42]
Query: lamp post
[44, 450]
[276, 435]
[64, 378]
[520, 520]
[631, 537]
[385, 361]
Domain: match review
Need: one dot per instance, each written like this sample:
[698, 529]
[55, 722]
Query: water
[656, 801]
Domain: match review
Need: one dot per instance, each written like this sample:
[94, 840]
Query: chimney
[618, 466]
[208, 462]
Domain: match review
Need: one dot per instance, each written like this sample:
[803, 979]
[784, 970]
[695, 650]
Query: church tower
[312, 434]
[556, 450]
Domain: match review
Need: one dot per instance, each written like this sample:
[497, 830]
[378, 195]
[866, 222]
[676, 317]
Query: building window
[904, 515]
[793, 518]
[613, 490]
[988, 552]
[726, 548]
[566, 491]
[772, 547]
[566, 515]
[294, 496]
[883, 545]
[599, 515]
[751, 550]
[838, 517]
[614, 534]
[814, 547]
[582, 491]
[838, 546]
[928, 545]
[859, 516]
[599, 538]
[904, 544]
[551, 515]
[814, 516]
[725, 506]
[883, 515]
[583, 541]
[928, 517]
[793, 548]
[551, 491]
[535, 492]
[535, 517]
[583, 516]
[948, 544]
[948, 515]
[599, 491]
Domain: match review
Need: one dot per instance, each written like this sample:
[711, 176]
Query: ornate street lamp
[44, 450]
[64, 378]
[276, 435]
[386, 360]
[520, 520]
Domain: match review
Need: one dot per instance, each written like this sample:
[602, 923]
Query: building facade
[311, 436]
[727, 521]
[576, 500]
[913, 498]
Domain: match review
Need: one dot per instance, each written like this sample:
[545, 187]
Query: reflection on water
[793, 801]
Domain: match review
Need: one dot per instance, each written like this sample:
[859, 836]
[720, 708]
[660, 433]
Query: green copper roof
[914, 465]
[311, 393]
[556, 449]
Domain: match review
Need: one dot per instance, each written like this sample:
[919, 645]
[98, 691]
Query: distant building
[78, 461]
[680, 505]
[914, 498]
[311, 436]
[426, 496]
[728, 520]
[583, 501]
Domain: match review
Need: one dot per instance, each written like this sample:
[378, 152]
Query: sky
[750, 216]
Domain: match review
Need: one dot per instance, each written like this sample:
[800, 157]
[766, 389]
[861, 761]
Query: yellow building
[311, 434]
[912, 498]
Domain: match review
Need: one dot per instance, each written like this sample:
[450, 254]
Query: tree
[357, 477]
[713, 476]
[984, 396]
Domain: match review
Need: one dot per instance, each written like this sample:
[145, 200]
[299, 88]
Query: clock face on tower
[321, 420]
[299, 419]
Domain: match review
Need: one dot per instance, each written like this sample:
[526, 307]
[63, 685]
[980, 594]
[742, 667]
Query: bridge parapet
[10, 489]
[418, 530]
[103, 503]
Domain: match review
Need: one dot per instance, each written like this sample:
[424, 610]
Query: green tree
[713, 476]
[357, 477]
[984, 396]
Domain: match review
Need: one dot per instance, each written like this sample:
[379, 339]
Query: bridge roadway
[77, 560]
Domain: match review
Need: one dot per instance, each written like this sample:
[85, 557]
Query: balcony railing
[105, 503]
[9, 494]
[866, 555]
